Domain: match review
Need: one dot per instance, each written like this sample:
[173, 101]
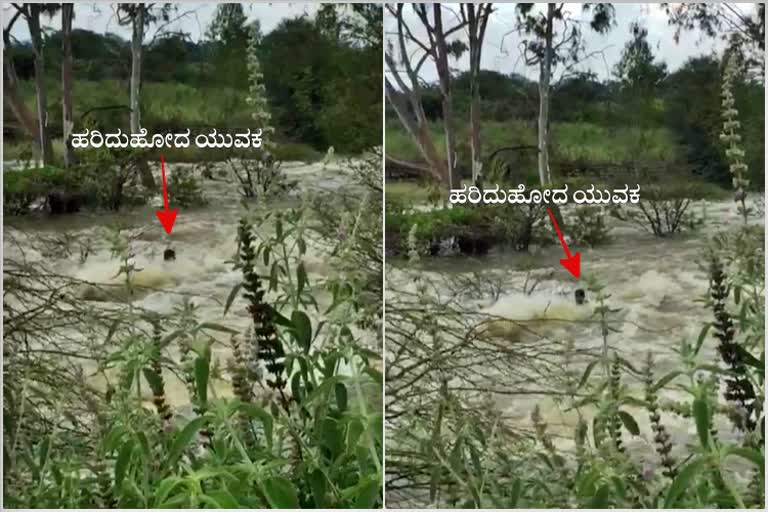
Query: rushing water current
[655, 283]
[204, 240]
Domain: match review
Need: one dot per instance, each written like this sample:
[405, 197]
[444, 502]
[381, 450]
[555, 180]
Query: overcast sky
[194, 18]
[501, 51]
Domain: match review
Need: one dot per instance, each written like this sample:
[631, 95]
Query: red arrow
[167, 218]
[571, 263]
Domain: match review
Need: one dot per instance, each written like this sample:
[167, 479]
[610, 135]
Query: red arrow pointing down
[572, 263]
[167, 218]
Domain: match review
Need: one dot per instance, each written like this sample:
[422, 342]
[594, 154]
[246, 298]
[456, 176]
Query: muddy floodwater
[655, 283]
[204, 240]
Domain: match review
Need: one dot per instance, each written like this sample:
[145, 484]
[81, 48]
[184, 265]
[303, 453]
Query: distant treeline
[686, 102]
[324, 88]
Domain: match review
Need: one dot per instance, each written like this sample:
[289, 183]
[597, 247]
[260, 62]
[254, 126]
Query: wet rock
[169, 255]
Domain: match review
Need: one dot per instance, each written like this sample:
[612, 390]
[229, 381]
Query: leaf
[182, 440]
[475, 457]
[683, 482]
[754, 456]
[301, 277]
[280, 493]
[630, 423]
[165, 487]
[456, 458]
[376, 426]
[123, 459]
[296, 387]
[750, 360]
[216, 327]
[317, 482]
[600, 499]
[702, 417]
[514, 495]
[332, 436]
[302, 329]
[702, 337]
[273, 277]
[587, 372]
[143, 444]
[666, 380]
[45, 447]
[341, 396]
[375, 375]
[222, 499]
[231, 297]
[202, 371]
[368, 493]
[254, 411]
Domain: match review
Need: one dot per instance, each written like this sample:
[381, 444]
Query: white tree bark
[35, 32]
[136, 50]
[545, 75]
[67, 12]
[477, 21]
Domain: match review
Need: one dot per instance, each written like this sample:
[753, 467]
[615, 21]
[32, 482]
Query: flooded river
[204, 240]
[655, 283]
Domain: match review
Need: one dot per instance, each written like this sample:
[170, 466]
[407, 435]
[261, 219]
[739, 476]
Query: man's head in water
[581, 297]
[169, 255]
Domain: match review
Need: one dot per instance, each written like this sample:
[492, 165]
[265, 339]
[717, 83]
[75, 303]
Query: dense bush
[467, 230]
[260, 176]
[588, 226]
[185, 189]
[664, 209]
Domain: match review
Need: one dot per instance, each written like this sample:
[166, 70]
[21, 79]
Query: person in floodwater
[581, 297]
[169, 255]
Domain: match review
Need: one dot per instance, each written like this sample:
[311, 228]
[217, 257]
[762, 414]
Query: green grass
[406, 193]
[570, 142]
[165, 106]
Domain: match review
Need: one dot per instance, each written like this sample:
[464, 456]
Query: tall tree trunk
[477, 21]
[136, 44]
[444, 74]
[46, 150]
[67, 12]
[545, 74]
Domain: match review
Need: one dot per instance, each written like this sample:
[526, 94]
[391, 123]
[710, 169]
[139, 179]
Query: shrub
[663, 209]
[470, 230]
[261, 176]
[588, 227]
[59, 190]
[184, 188]
[117, 177]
